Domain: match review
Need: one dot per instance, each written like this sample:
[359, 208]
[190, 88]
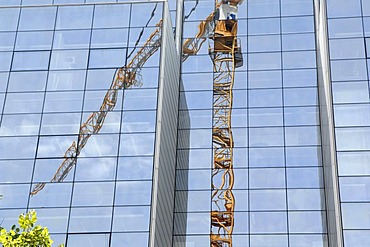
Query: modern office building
[98, 102]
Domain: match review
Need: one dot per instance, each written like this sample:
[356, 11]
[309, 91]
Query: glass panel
[345, 28]
[88, 240]
[308, 240]
[74, 17]
[129, 219]
[66, 80]
[7, 41]
[266, 157]
[133, 193]
[71, 59]
[357, 238]
[192, 201]
[197, 138]
[298, 136]
[264, 61]
[138, 121]
[3, 83]
[300, 96]
[144, 9]
[45, 169]
[107, 58]
[305, 177]
[353, 163]
[134, 168]
[267, 200]
[196, 119]
[353, 138]
[195, 158]
[14, 195]
[265, 43]
[54, 146]
[303, 156]
[307, 222]
[267, 178]
[355, 189]
[9, 19]
[306, 199]
[136, 144]
[140, 99]
[60, 123]
[300, 24]
[74, 39]
[55, 219]
[102, 145]
[265, 117]
[264, 79]
[63, 101]
[350, 92]
[95, 169]
[352, 115]
[347, 48]
[301, 116]
[16, 171]
[269, 240]
[300, 78]
[27, 81]
[17, 125]
[192, 223]
[96, 219]
[345, 70]
[264, 137]
[264, 26]
[53, 195]
[295, 8]
[193, 179]
[108, 16]
[304, 41]
[31, 60]
[267, 8]
[5, 58]
[34, 40]
[299, 59]
[104, 38]
[356, 215]
[265, 97]
[268, 222]
[23, 102]
[343, 8]
[130, 239]
[93, 194]
[40, 18]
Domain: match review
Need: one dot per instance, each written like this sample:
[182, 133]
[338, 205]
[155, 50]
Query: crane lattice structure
[220, 27]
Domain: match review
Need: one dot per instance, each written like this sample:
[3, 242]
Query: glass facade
[348, 25]
[57, 63]
[278, 186]
[58, 58]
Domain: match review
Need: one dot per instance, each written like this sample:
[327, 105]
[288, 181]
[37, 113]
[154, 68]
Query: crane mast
[226, 56]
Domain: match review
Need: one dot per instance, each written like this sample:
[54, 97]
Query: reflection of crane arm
[125, 77]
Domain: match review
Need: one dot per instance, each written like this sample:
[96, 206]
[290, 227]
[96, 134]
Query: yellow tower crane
[220, 28]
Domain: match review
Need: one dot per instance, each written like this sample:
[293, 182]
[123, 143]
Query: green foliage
[27, 234]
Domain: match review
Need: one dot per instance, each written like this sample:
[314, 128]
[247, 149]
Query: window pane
[17, 125]
[136, 144]
[16, 171]
[351, 92]
[293, 42]
[34, 41]
[107, 58]
[264, 61]
[357, 238]
[129, 219]
[31, 60]
[71, 39]
[298, 136]
[134, 168]
[355, 189]
[5, 58]
[300, 96]
[299, 59]
[9, 19]
[93, 194]
[265, 98]
[344, 8]
[353, 138]
[306, 199]
[70, 59]
[133, 193]
[40, 18]
[266, 200]
[7, 41]
[268, 222]
[352, 115]
[353, 163]
[95, 169]
[74, 17]
[266, 157]
[265, 117]
[298, 24]
[307, 222]
[24, 103]
[267, 178]
[347, 48]
[96, 219]
[267, 8]
[345, 70]
[27, 81]
[108, 16]
[345, 28]
[264, 26]
[356, 215]
[66, 80]
[88, 240]
[106, 38]
[305, 177]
